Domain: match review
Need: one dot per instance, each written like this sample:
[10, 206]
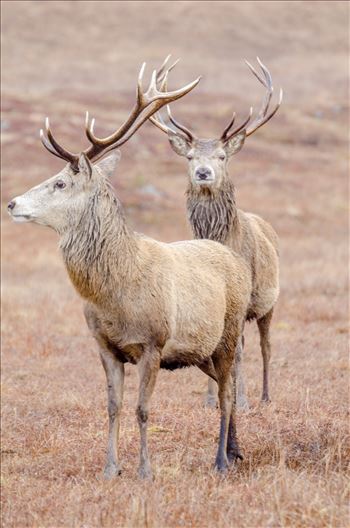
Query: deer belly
[190, 352]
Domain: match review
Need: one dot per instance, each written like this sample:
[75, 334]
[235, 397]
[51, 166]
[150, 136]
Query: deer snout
[203, 173]
[11, 205]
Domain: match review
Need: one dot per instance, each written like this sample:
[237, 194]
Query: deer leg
[233, 452]
[223, 358]
[225, 399]
[241, 397]
[148, 369]
[264, 330]
[212, 394]
[114, 370]
[211, 398]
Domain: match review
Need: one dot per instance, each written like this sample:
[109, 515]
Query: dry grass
[54, 420]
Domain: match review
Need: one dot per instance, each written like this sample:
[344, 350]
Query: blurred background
[61, 58]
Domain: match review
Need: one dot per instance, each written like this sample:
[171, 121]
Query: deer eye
[222, 156]
[59, 184]
[189, 157]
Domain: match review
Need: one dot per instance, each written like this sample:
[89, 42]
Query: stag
[147, 303]
[212, 212]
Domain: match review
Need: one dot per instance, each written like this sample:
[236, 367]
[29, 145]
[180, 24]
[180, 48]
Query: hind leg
[240, 392]
[226, 400]
[223, 359]
[237, 372]
[233, 452]
[264, 330]
[211, 398]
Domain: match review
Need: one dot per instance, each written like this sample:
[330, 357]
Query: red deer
[212, 212]
[148, 303]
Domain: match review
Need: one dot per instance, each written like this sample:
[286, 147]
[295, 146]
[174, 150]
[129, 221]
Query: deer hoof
[211, 402]
[242, 404]
[145, 473]
[221, 468]
[234, 455]
[111, 471]
[221, 464]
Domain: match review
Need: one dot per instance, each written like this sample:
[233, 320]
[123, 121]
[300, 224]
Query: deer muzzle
[204, 174]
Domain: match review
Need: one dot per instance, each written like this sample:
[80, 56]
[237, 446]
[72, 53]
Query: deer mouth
[21, 218]
[207, 182]
[204, 181]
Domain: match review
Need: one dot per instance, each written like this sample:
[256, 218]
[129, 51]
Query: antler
[262, 116]
[147, 103]
[226, 136]
[157, 119]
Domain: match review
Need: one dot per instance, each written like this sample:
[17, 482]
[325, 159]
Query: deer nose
[203, 173]
[11, 205]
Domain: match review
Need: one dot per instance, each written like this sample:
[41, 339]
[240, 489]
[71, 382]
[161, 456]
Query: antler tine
[164, 83]
[162, 68]
[263, 116]
[188, 133]
[267, 83]
[172, 66]
[254, 72]
[225, 132]
[48, 145]
[60, 151]
[158, 121]
[162, 78]
[240, 127]
[265, 72]
[139, 83]
[256, 124]
[162, 74]
[89, 127]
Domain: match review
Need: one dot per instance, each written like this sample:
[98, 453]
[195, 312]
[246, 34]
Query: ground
[61, 58]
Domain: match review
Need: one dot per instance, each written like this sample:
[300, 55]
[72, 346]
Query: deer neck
[212, 212]
[99, 253]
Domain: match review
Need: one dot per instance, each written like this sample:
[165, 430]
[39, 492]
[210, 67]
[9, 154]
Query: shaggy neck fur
[212, 212]
[100, 252]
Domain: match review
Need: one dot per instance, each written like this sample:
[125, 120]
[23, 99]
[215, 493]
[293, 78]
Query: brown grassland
[61, 58]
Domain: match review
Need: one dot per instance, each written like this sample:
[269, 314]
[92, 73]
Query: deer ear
[84, 165]
[234, 145]
[108, 165]
[179, 143]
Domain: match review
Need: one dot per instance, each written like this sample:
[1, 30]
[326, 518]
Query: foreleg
[148, 369]
[114, 370]
[233, 451]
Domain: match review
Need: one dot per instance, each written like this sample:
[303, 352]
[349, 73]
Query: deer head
[59, 201]
[208, 158]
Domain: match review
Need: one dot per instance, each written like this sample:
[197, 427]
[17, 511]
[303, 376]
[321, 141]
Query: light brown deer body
[212, 212]
[148, 303]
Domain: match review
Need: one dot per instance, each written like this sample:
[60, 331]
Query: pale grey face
[207, 158]
[60, 201]
[206, 162]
